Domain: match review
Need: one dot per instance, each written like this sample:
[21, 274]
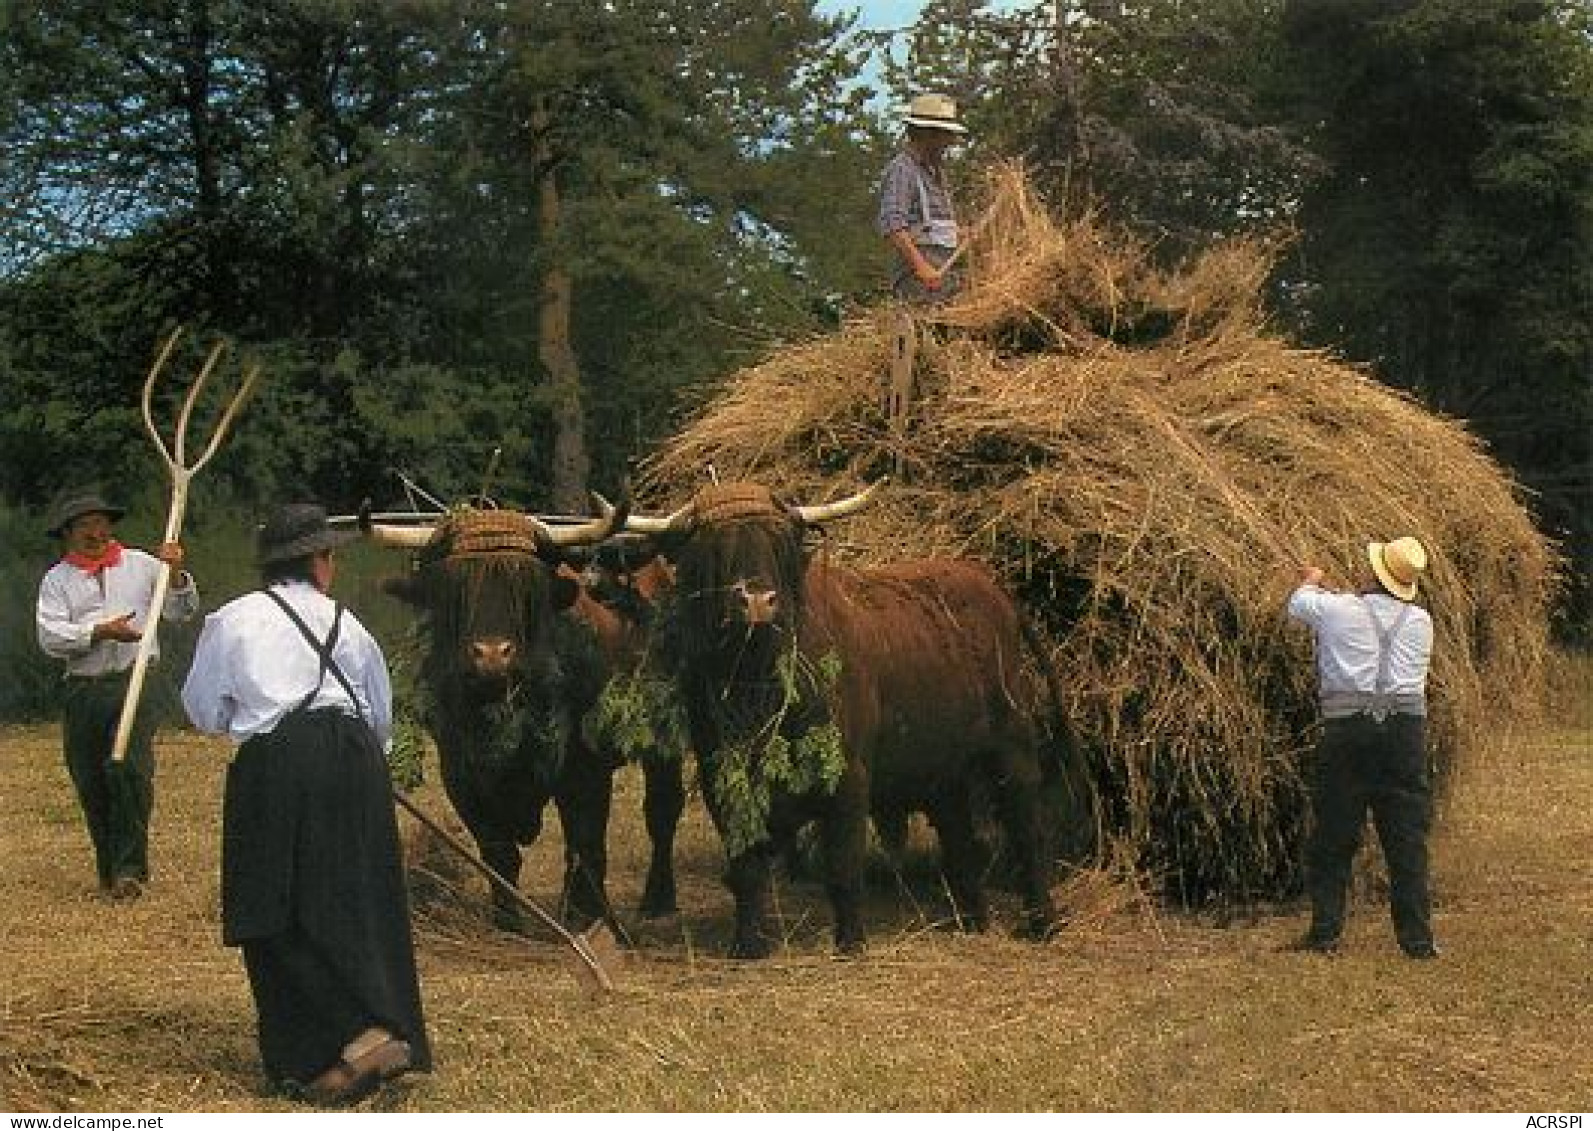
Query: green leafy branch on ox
[787, 753]
[640, 716]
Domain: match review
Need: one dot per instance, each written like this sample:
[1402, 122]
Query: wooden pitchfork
[181, 471]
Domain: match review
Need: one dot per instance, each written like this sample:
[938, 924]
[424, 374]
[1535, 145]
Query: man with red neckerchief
[93, 609]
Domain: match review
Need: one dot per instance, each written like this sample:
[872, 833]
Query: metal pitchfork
[181, 471]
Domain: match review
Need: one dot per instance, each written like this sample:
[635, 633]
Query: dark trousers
[1363, 764]
[117, 798]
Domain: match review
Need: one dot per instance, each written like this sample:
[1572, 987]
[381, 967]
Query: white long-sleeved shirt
[71, 602]
[1348, 647]
[252, 666]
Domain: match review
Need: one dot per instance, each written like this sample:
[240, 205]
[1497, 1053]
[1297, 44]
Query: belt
[1345, 704]
[102, 677]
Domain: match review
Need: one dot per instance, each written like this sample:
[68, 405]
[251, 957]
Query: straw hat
[1398, 565]
[74, 503]
[297, 530]
[934, 112]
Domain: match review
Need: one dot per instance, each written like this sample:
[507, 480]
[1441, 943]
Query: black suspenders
[323, 650]
[1385, 654]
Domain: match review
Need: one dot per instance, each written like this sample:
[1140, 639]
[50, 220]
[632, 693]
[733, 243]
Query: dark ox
[517, 654]
[931, 706]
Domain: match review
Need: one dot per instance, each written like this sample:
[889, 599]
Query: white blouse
[252, 666]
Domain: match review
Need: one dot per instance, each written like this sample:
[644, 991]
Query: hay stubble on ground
[137, 1007]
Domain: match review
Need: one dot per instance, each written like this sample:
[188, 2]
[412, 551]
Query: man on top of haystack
[917, 217]
[916, 214]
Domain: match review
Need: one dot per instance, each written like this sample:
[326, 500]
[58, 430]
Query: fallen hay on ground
[1148, 467]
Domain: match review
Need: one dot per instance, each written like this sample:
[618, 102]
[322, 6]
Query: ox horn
[387, 534]
[609, 519]
[651, 524]
[827, 512]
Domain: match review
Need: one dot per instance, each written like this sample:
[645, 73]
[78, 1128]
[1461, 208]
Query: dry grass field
[138, 1007]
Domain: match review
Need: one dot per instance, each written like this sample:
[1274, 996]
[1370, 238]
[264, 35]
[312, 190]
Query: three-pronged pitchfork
[181, 471]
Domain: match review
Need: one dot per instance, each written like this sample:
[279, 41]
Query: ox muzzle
[754, 605]
[492, 659]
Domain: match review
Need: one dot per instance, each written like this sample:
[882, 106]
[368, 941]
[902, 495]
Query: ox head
[486, 582]
[625, 572]
[740, 556]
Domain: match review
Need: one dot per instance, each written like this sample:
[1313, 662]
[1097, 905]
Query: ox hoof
[855, 948]
[751, 949]
[1041, 928]
[658, 909]
[659, 904]
[509, 919]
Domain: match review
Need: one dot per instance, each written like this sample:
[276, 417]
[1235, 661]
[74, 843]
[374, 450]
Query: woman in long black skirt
[312, 881]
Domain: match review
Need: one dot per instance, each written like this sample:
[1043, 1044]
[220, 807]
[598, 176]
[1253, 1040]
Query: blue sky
[877, 13]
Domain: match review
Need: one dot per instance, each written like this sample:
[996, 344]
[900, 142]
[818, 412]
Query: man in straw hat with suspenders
[312, 874]
[918, 220]
[1372, 653]
[916, 215]
[92, 610]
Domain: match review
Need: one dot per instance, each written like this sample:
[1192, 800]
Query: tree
[1451, 242]
[673, 157]
[419, 212]
[1168, 111]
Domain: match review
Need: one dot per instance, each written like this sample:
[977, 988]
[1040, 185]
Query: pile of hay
[1148, 468]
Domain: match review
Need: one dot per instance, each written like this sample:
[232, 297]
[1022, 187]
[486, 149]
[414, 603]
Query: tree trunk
[195, 51]
[1064, 135]
[561, 368]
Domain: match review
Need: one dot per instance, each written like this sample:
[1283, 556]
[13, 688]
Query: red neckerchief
[91, 566]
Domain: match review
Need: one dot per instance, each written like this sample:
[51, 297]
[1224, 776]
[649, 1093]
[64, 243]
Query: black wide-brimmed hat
[75, 502]
[296, 530]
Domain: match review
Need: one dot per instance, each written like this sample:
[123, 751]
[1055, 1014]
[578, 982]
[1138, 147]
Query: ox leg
[663, 803]
[1020, 809]
[845, 839]
[750, 877]
[583, 809]
[962, 859]
[503, 857]
[845, 854]
[890, 827]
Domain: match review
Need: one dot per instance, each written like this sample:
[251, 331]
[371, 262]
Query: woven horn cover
[471, 532]
[734, 502]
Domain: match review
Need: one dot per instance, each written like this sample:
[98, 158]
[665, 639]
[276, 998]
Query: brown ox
[516, 657]
[622, 583]
[933, 714]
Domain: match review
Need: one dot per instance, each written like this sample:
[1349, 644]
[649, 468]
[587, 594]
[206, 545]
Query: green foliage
[808, 758]
[1451, 242]
[414, 711]
[640, 716]
[406, 760]
[352, 187]
[28, 680]
[1170, 112]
